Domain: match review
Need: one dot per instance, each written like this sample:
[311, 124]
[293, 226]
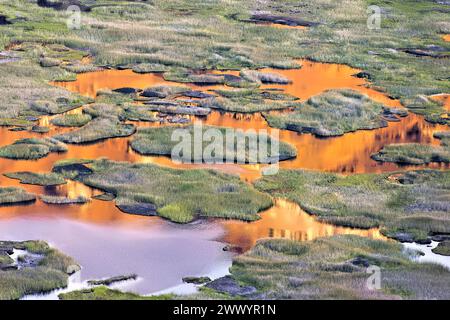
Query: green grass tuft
[179, 195]
[41, 179]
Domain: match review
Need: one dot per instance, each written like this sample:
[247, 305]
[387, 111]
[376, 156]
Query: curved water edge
[286, 220]
[104, 240]
[347, 154]
[177, 245]
[426, 255]
[160, 253]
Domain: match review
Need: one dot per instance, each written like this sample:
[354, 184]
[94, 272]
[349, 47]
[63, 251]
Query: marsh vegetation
[443, 248]
[225, 56]
[51, 272]
[332, 113]
[97, 129]
[105, 293]
[71, 120]
[335, 268]
[413, 202]
[32, 148]
[180, 42]
[178, 195]
[219, 147]
[41, 179]
[61, 200]
[415, 153]
[15, 195]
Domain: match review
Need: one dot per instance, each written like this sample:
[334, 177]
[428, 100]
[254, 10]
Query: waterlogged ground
[286, 220]
[349, 153]
[107, 242]
[407, 57]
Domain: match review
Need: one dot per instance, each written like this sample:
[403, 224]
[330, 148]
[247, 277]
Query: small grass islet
[104, 197]
[134, 112]
[183, 75]
[20, 123]
[97, 129]
[41, 179]
[196, 280]
[164, 91]
[255, 95]
[264, 77]
[250, 100]
[40, 129]
[109, 281]
[32, 148]
[178, 195]
[15, 195]
[170, 107]
[61, 105]
[443, 248]
[332, 113]
[158, 141]
[71, 120]
[61, 200]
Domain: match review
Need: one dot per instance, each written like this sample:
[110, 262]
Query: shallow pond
[346, 154]
[107, 242]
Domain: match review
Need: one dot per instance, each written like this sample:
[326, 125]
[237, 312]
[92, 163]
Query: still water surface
[107, 242]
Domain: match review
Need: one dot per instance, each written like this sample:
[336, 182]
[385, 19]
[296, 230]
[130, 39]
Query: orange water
[288, 221]
[444, 99]
[314, 77]
[311, 79]
[88, 84]
[346, 154]
[349, 153]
